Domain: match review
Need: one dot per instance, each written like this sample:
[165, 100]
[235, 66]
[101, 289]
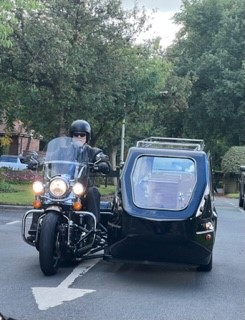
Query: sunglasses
[79, 134]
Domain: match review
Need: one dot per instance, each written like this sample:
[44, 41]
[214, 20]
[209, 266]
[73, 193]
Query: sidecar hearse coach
[163, 210]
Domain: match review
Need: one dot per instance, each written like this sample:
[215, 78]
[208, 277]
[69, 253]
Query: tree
[209, 51]
[142, 73]
[233, 159]
[78, 59]
[63, 60]
[7, 15]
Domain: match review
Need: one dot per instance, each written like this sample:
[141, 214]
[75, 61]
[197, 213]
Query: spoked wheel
[49, 244]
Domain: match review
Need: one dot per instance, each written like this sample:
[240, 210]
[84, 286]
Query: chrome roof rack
[171, 143]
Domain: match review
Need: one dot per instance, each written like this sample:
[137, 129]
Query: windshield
[163, 182]
[65, 156]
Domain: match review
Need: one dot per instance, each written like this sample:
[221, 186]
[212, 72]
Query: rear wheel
[241, 202]
[206, 267]
[49, 244]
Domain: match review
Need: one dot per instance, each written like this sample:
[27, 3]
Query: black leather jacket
[96, 156]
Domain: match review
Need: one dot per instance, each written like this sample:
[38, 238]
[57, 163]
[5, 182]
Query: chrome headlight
[38, 187]
[78, 189]
[58, 187]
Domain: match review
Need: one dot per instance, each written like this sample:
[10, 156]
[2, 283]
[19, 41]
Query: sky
[161, 24]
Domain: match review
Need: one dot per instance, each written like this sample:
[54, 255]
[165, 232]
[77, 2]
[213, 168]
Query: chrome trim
[23, 224]
[44, 197]
[58, 178]
[82, 213]
[54, 208]
[201, 205]
[204, 232]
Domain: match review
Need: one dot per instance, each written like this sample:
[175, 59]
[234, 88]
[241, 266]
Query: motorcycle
[31, 158]
[63, 229]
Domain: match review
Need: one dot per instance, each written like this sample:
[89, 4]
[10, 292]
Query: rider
[81, 130]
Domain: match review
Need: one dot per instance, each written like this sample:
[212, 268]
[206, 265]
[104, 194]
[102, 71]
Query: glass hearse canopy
[168, 178]
[163, 182]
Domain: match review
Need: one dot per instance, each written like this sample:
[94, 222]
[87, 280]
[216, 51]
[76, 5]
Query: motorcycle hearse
[162, 211]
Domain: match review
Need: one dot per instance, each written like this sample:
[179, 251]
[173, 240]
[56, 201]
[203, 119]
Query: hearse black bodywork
[163, 210]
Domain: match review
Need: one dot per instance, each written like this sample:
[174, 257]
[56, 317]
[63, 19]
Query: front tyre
[243, 205]
[241, 201]
[49, 244]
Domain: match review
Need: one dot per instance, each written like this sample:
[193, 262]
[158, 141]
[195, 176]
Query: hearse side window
[163, 182]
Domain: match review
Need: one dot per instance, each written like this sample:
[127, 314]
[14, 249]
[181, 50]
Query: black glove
[103, 167]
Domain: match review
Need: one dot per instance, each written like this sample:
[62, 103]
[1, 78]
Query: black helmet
[80, 126]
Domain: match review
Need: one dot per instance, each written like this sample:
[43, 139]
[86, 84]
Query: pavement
[9, 206]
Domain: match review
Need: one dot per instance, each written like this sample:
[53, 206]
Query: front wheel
[49, 244]
[240, 200]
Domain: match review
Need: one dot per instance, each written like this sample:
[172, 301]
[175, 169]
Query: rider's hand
[102, 167]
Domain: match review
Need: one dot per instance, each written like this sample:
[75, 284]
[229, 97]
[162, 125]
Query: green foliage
[17, 195]
[8, 11]
[22, 194]
[233, 159]
[73, 60]
[5, 142]
[62, 60]
[6, 187]
[209, 51]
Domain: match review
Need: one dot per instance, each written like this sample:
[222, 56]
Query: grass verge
[23, 195]
[232, 195]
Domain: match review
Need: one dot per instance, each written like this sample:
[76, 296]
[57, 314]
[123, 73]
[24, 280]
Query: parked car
[12, 162]
[241, 183]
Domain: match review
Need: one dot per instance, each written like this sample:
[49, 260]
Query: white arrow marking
[13, 222]
[51, 297]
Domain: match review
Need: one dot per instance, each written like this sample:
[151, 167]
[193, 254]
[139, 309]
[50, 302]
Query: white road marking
[235, 206]
[13, 222]
[47, 297]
